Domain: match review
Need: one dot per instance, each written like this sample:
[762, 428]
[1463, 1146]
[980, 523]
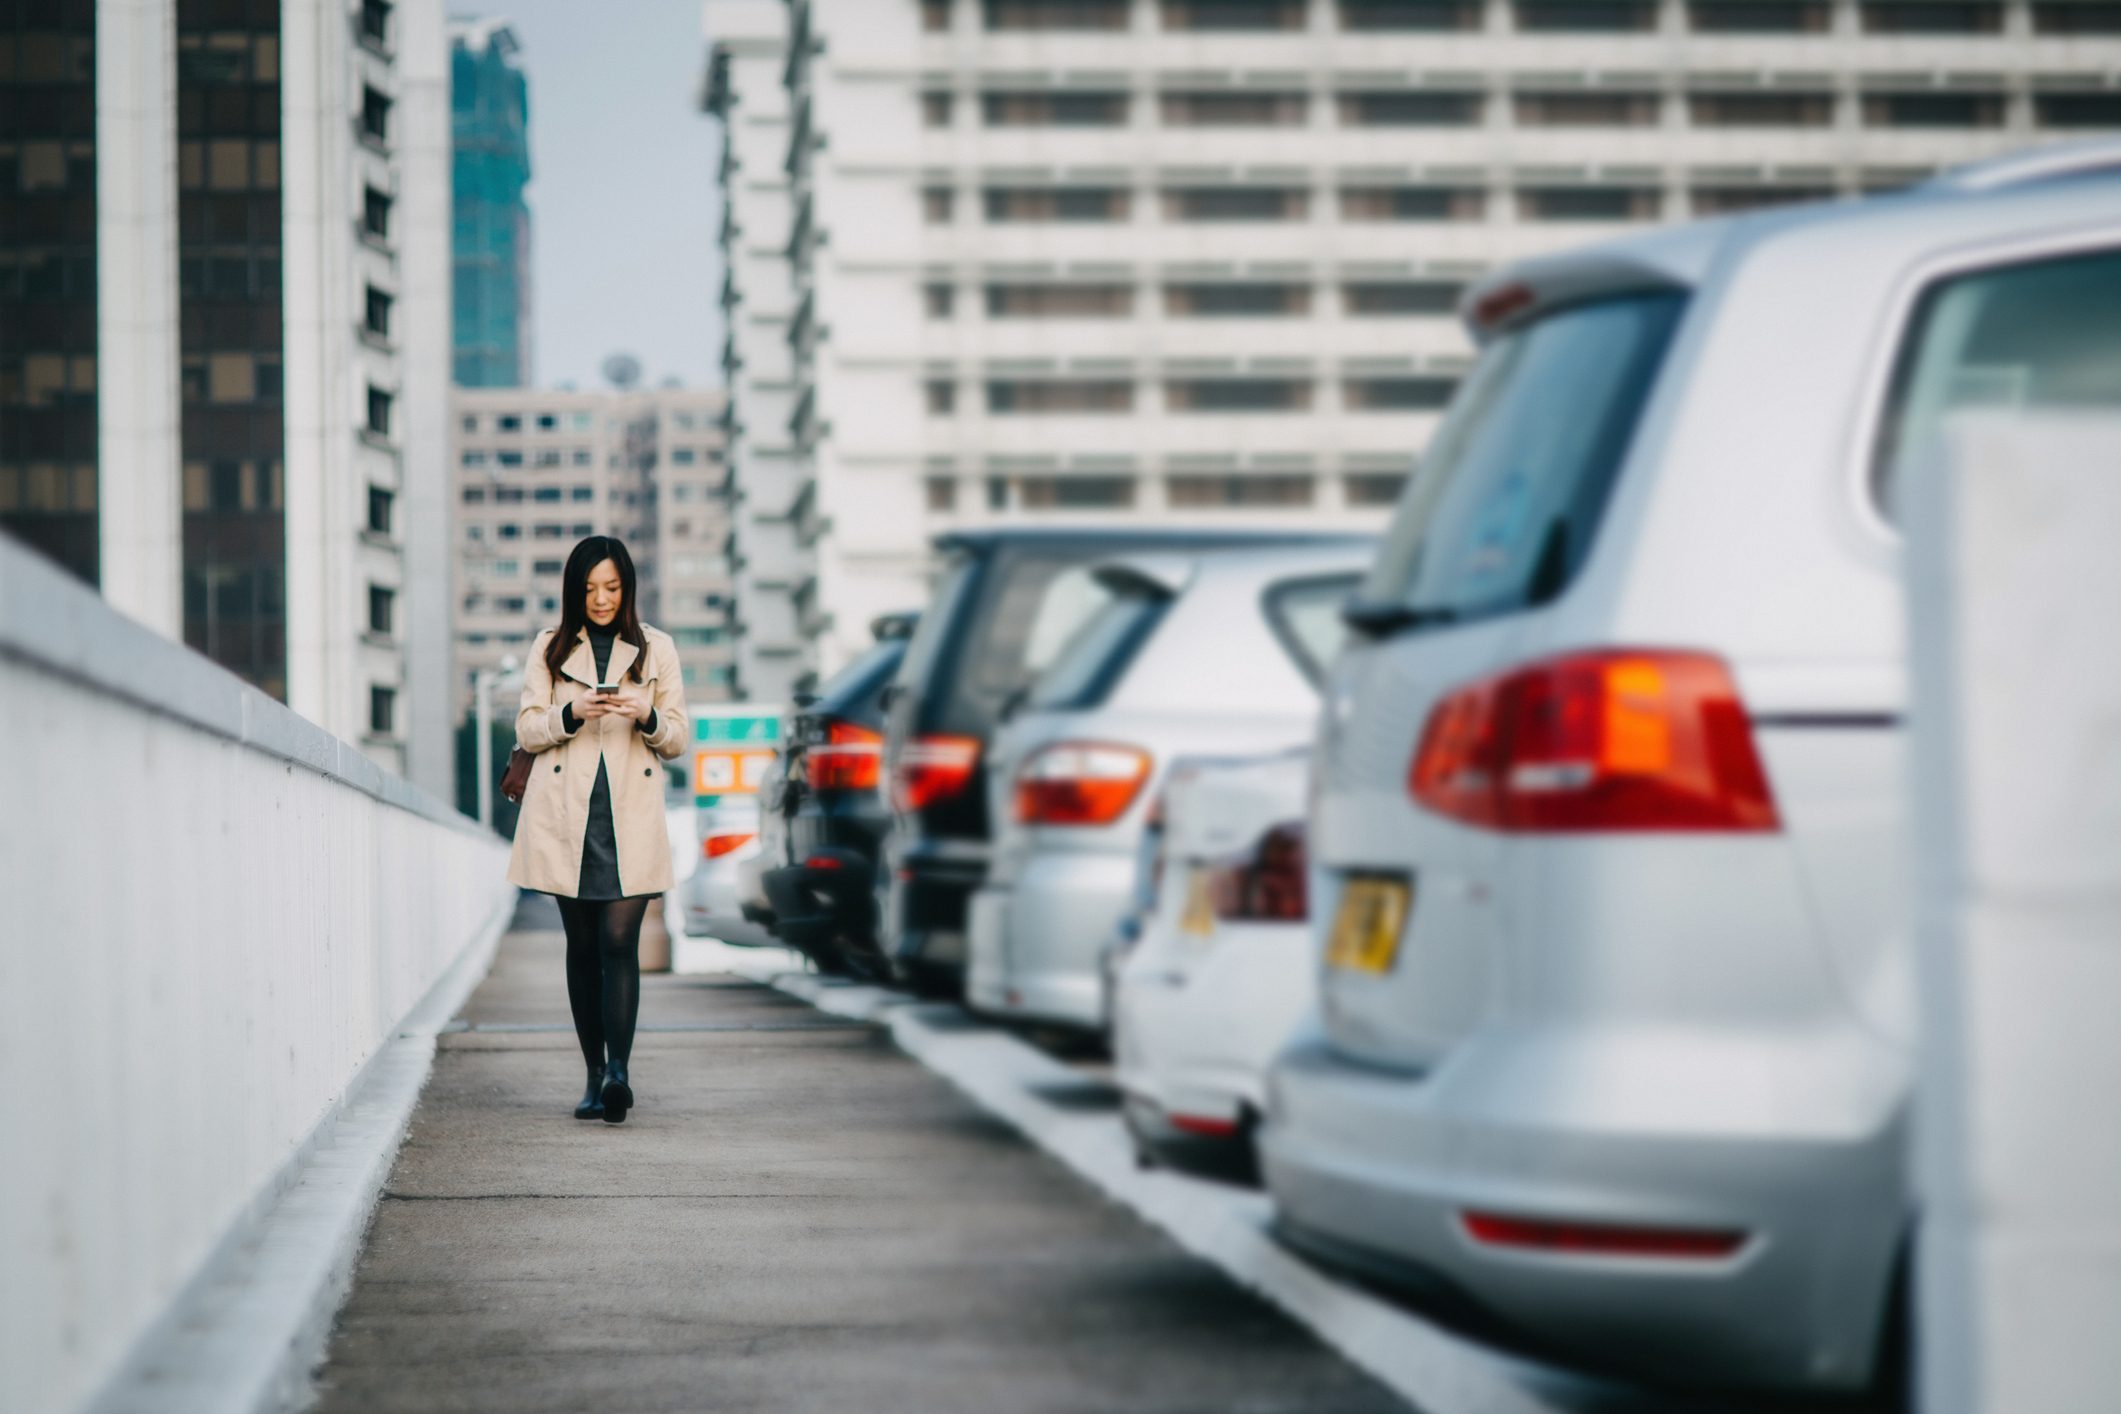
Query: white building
[746, 93]
[1198, 259]
[537, 470]
[242, 446]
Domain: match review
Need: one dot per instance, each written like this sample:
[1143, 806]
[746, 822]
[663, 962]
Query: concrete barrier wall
[2015, 637]
[214, 915]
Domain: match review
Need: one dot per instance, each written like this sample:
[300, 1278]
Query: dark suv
[1003, 606]
[823, 888]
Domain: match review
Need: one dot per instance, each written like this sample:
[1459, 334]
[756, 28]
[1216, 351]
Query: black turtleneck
[601, 637]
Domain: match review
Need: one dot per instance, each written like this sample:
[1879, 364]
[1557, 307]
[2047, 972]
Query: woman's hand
[591, 705]
[621, 704]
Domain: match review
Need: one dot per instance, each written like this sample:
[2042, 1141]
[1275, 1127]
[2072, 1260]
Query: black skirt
[600, 846]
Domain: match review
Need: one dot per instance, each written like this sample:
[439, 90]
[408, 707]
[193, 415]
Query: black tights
[604, 973]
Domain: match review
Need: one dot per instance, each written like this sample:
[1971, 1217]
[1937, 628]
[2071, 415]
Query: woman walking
[603, 702]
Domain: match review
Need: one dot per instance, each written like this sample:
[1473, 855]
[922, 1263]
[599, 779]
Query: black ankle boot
[618, 1095]
[592, 1106]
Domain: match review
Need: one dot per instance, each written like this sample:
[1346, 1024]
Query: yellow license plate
[1198, 920]
[1373, 913]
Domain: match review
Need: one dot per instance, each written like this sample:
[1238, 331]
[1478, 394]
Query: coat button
[648, 770]
[556, 770]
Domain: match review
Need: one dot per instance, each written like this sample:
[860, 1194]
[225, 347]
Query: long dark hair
[574, 602]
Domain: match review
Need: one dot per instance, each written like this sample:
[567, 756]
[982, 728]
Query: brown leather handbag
[516, 779]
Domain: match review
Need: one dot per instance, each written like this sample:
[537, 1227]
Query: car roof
[1961, 201]
[1174, 571]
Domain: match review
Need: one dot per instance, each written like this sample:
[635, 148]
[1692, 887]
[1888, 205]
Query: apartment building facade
[746, 94]
[490, 137]
[537, 470]
[1199, 259]
[223, 339]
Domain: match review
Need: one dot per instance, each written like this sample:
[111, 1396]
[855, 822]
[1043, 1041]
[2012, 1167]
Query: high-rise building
[490, 131]
[537, 470]
[227, 231]
[746, 94]
[1199, 259]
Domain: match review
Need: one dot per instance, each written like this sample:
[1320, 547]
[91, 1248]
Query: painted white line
[1430, 1368]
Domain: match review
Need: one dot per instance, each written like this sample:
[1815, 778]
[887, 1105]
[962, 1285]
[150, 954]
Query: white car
[1615, 1028]
[1212, 651]
[1223, 970]
[727, 838]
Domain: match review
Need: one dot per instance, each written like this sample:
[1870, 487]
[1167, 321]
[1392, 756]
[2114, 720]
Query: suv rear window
[2037, 336]
[1509, 494]
[1105, 641]
[1027, 608]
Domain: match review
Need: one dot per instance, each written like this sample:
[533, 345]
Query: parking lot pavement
[797, 1217]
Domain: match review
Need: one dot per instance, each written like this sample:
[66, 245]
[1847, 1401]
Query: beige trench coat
[548, 844]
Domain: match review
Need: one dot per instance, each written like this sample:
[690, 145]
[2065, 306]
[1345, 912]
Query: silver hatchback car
[1615, 1025]
[1209, 652]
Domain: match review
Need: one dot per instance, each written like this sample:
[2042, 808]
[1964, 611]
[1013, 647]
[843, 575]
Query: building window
[1425, 15]
[1760, 110]
[471, 422]
[581, 493]
[382, 710]
[382, 606]
[474, 495]
[1587, 109]
[1055, 14]
[997, 493]
[380, 502]
[1589, 203]
[375, 22]
[508, 422]
[1372, 488]
[1229, 300]
[935, 110]
[1054, 110]
[935, 16]
[1933, 110]
[581, 456]
[375, 214]
[942, 493]
[1195, 491]
[1236, 203]
[548, 567]
[2077, 17]
[937, 300]
[376, 313]
[547, 494]
[375, 115]
[1059, 395]
[935, 205]
[1041, 493]
[1059, 301]
[1237, 394]
[548, 422]
[1227, 109]
[582, 528]
[1413, 203]
[1396, 394]
[1586, 16]
[510, 457]
[1234, 14]
[1726, 201]
[379, 412]
[1390, 297]
[505, 569]
[1932, 17]
[941, 397]
[1760, 16]
[1012, 204]
[683, 456]
[2077, 110]
[548, 532]
[1400, 109]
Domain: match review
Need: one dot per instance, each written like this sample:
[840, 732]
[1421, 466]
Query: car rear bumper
[1033, 947]
[814, 903]
[1385, 1166]
[927, 901]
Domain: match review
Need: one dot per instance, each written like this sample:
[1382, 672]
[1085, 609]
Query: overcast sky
[622, 202]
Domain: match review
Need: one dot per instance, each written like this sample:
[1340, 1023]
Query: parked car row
[1518, 896]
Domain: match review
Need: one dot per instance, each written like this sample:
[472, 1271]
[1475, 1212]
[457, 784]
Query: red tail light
[851, 758]
[1265, 882]
[1079, 783]
[1206, 1126]
[1617, 740]
[715, 846]
[932, 768]
[1601, 1239]
[824, 861]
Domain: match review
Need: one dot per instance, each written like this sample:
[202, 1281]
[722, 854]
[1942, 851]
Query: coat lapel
[581, 664]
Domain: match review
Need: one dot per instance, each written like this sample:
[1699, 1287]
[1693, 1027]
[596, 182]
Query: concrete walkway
[796, 1217]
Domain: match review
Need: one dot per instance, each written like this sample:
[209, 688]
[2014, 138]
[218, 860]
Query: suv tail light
[1079, 783]
[851, 758]
[1601, 1239]
[715, 846]
[1613, 740]
[932, 768]
[1264, 883]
